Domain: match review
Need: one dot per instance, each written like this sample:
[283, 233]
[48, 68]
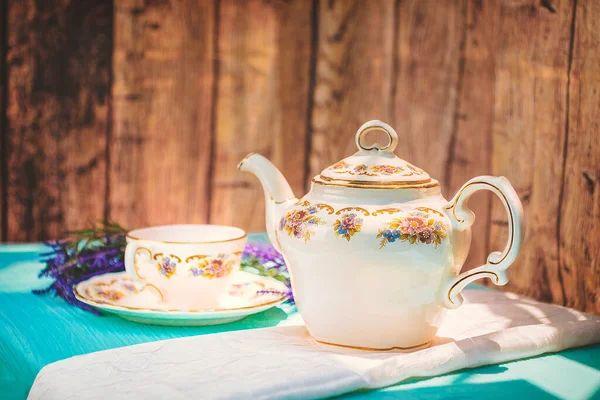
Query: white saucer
[118, 294]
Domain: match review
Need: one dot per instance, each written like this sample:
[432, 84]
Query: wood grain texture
[3, 92]
[160, 147]
[532, 59]
[263, 90]
[430, 46]
[354, 76]
[470, 143]
[578, 228]
[58, 62]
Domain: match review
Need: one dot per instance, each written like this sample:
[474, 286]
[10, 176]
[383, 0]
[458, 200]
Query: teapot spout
[278, 193]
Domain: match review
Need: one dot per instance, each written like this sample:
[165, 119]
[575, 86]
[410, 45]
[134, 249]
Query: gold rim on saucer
[170, 310]
[86, 299]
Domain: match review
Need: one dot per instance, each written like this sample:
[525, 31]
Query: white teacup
[189, 265]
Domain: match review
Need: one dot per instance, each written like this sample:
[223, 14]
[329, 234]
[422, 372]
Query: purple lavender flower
[273, 291]
[85, 254]
[263, 259]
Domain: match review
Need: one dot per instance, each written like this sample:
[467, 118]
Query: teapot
[374, 250]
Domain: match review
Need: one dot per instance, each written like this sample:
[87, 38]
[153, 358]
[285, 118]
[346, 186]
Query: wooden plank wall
[58, 67]
[261, 104]
[137, 111]
[162, 92]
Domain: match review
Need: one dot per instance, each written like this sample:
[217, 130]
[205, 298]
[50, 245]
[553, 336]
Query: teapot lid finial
[375, 166]
[376, 125]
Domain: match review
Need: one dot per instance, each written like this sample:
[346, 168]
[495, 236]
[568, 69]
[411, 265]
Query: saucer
[116, 293]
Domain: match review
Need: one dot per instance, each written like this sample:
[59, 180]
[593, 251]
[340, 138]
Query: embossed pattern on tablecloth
[285, 362]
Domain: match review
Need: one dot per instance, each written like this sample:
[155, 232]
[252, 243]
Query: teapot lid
[375, 166]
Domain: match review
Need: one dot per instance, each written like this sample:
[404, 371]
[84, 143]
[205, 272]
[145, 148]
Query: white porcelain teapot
[374, 250]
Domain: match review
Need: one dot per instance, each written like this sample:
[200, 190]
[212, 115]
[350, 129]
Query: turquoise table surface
[38, 330]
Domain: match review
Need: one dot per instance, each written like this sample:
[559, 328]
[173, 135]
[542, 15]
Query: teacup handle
[131, 251]
[462, 218]
[131, 267]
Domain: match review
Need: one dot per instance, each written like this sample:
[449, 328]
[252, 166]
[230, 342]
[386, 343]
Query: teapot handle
[462, 218]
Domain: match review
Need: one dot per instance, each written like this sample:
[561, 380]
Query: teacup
[189, 266]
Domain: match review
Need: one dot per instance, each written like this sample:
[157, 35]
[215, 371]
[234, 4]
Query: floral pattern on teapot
[344, 167]
[301, 223]
[347, 226]
[416, 227]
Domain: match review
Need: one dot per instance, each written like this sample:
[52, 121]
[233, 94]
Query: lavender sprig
[263, 259]
[84, 254]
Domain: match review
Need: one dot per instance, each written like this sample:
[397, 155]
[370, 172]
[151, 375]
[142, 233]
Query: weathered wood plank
[263, 91]
[430, 46]
[580, 212]
[532, 58]
[58, 100]
[3, 90]
[354, 76]
[470, 152]
[163, 94]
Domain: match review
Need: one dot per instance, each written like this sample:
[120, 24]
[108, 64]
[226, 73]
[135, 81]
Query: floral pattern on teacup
[167, 267]
[415, 227]
[213, 267]
[301, 223]
[347, 226]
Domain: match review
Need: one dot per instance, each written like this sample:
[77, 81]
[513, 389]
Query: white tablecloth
[285, 362]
